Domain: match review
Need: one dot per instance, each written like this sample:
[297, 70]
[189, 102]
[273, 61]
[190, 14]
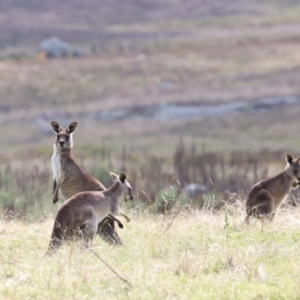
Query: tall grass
[158, 181]
[25, 191]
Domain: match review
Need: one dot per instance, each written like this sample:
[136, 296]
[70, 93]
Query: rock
[53, 47]
[193, 190]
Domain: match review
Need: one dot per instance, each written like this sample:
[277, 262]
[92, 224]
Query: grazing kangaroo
[70, 178]
[267, 195]
[79, 216]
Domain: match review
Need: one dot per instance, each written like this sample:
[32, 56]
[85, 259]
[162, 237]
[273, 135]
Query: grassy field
[139, 56]
[187, 255]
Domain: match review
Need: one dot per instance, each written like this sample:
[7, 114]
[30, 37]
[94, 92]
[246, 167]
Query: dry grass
[253, 70]
[104, 24]
[198, 256]
[158, 181]
[33, 93]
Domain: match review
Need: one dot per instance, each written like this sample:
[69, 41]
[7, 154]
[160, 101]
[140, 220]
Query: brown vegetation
[226, 177]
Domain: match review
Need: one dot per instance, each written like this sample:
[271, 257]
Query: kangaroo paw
[126, 218]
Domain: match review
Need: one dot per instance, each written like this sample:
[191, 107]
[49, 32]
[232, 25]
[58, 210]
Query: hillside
[151, 58]
[25, 24]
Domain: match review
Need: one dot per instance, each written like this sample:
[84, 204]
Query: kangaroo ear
[72, 127]
[55, 127]
[289, 159]
[122, 177]
[113, 176]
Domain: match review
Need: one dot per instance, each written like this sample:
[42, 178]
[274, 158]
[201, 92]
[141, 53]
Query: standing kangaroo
[267, 195]
[70, 178]
[79, 216]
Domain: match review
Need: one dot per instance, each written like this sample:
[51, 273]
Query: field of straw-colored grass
[191, 255]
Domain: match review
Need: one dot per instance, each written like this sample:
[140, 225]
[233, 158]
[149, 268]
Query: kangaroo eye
[295, 171]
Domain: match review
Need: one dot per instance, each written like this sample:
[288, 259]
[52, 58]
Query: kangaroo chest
[56, 167]
[279, 198]
[62, 164]
[69, 176]
[279, 193]
[67, 187]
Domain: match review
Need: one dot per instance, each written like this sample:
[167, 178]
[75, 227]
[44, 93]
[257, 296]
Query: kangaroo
[268, 194]
[79, 216]
[70, 178]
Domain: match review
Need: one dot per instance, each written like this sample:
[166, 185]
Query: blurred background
[195, 100]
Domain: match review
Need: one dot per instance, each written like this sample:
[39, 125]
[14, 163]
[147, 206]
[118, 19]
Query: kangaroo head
[126, 187]
[64, 135]
[293, 167]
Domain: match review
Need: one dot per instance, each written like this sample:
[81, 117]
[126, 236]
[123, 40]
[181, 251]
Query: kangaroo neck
[287, 176]
[115, 191]
[289, 179]
[61, 151]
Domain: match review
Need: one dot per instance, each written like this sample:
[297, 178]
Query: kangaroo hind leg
[264, 206]
[87, 232]
[56, 238]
